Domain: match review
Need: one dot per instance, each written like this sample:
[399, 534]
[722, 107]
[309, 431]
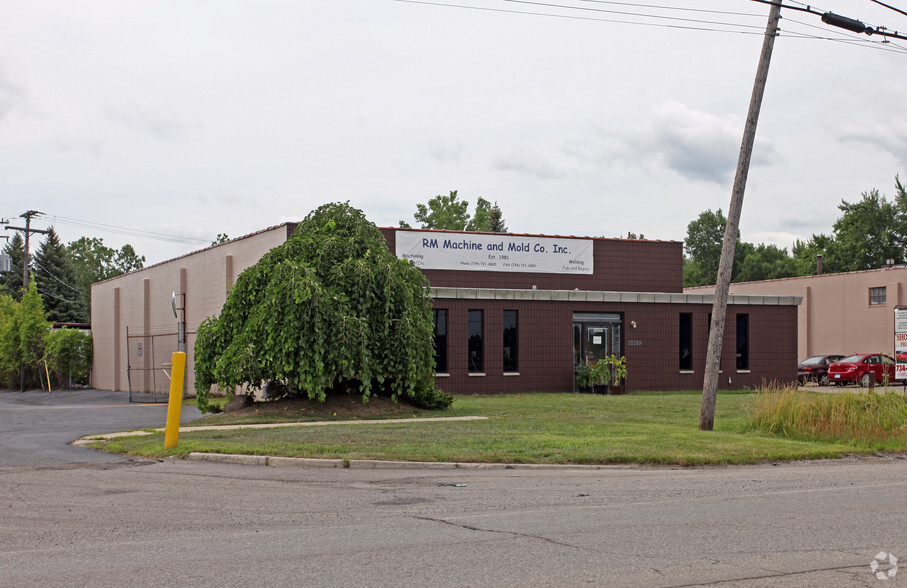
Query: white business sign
[900, 344]
[495, 253]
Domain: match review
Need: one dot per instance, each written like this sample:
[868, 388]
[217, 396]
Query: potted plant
[601, 376]
[586, 376]
[617, 370]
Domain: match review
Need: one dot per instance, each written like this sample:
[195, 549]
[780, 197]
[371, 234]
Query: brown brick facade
[638, 282]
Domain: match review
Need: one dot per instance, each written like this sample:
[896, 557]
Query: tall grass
[870, 417]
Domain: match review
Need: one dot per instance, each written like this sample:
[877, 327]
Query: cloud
[153, 119]
[694, 144]
[528, 160]
[11, 96]
[446, 152]
[778, 238]
[890, 136]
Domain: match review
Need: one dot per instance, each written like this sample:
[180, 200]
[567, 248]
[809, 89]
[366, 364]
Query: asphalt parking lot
[38, 426]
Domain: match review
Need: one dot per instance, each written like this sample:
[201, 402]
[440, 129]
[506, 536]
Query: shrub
[331, 310]
[853, 417]
[68, 353]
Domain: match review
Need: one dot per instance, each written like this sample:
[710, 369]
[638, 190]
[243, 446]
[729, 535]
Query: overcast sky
[194, 118]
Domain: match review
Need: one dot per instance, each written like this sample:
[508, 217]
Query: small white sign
[139, 344]
[495, 253]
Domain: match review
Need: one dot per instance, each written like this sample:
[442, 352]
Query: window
[511, 349]
[440, 332]
[476, 343]
[743, 341]
[686, 341]
[877, 296]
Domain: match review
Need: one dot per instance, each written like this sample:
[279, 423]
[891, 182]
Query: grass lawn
[526, 428]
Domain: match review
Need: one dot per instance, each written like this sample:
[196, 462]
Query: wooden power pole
[27, 230]
[719, 306]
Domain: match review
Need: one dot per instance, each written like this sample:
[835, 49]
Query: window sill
[744, 372]
[482, 374]
[442, 375]
[506, 374]
[687, 372]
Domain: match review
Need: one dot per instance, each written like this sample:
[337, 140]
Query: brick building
[513, 313]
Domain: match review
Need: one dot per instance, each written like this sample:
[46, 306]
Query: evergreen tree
[56, 279]
[487, 218]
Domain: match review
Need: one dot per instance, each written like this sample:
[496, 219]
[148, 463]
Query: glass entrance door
[595, 335]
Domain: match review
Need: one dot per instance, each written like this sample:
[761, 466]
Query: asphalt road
[112, 522]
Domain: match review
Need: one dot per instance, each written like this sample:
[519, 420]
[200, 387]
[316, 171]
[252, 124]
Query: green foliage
[658, 427]
[869, 232]
[763, 262]
[705, 236]
[610, 369]
[56, 279]
[329, 311]
[68, 353]
[452, 214]
[487, 218]
[22, 335]
[865, 417]
[443, 212]
[221, 238]
[94, 261]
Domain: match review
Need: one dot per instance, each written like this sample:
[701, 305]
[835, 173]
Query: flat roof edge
[603, 296]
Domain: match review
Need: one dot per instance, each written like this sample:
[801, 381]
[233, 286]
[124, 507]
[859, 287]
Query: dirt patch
[337, 406]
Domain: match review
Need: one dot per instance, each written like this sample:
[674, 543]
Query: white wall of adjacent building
[140, 303]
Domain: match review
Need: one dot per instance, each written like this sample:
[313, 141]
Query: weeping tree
[330, 311]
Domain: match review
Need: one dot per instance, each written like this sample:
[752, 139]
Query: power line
[582, 18]
[27, 231]
[675, 22]
[626, 13]
[677, 8]
[127, 231]
[889, 7]
[48, 272]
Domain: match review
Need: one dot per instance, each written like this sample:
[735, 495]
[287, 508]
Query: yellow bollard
[177, 373]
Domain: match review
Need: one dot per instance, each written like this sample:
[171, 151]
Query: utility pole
[28, 231]
[719, 306]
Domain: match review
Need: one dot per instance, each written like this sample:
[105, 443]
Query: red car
[858, 369]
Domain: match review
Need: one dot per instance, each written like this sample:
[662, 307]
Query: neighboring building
[843, 313]
[513, 313]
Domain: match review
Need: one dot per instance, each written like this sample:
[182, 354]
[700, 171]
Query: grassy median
[530, 428]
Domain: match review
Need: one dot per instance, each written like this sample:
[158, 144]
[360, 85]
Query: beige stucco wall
[141, 302]
[835, 316]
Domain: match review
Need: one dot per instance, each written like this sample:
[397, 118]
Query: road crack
[511, 533]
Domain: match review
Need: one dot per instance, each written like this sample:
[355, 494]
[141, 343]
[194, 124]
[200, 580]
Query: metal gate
[148, 363]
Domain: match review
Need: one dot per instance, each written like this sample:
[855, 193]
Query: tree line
[869, 234]
[64, 273]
